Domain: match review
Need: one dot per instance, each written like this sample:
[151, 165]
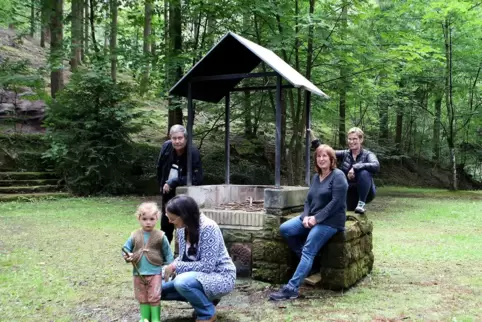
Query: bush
[88, 128]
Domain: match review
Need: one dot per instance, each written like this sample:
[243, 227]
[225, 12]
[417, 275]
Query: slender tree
[56, 44]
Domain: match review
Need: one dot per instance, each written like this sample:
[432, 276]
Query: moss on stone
[267, 272]
[337, 279]
[270, 251]
[234, 236]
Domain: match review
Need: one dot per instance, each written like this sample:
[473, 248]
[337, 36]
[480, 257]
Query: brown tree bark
[174, 52]
[56, 40]
[343, 80]
[76, 39]
[45, 11]
[146, 48]
[32, 18]
[85, 30]
[113, 39]
[92, 27]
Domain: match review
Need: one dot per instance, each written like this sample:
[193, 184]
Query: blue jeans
[361, 188]
[295, 234]
[185, 287]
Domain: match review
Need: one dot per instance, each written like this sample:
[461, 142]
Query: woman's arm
[210, 238]
[338, 197]
[371, 165]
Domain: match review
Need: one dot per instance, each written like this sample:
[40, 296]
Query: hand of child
[127, 257]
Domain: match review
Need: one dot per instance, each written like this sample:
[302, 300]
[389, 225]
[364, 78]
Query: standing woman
[323, 216]
[204, 270]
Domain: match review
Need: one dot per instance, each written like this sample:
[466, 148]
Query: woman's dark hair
[187, 208]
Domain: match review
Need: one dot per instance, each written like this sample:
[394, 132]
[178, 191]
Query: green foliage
[88, 128]
[23, 152]
[15, 75]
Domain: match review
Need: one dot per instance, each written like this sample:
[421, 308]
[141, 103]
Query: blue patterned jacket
[217, 272]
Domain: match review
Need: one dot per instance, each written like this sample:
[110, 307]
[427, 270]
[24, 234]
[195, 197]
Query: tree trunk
[146, 48]
[383, 116]
[449, 102]
[32, 18]
[92, 27]
[45, 11]
[298, 166]
[296, 115]
[343, 80]
[399, 129]
[56, 39]
[113, 39]
[284, 101]
[174, 56]
[436, 126]
[248, 126]
[85, 30]
[76, 39]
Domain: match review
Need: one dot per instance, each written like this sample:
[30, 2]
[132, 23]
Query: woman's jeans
[185, 287]
[295, 234]
[362, 188]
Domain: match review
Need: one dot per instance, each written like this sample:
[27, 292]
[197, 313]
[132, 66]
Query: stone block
[266, 272]
[270, 251]
[366, 243]
[284, 212]
[284, 198]
[210, 196]
[272, 222]
[234, 235]
[337, 279]
[263, 234]
[341, 255]
[236, 218]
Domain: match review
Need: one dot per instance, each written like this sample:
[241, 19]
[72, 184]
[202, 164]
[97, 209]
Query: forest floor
[60, 261]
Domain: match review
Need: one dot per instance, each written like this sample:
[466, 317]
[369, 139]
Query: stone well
[250, 216]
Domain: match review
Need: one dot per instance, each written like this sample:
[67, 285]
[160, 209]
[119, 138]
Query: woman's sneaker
[360, 208]
[285, 293]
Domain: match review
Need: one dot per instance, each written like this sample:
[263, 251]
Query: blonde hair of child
[149, 208]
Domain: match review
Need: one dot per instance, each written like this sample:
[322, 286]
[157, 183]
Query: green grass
[60, 261]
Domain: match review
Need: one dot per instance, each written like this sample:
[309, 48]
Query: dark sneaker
[285, 293]
[360, 209]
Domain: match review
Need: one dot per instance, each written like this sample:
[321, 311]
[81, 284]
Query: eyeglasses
[172, 221]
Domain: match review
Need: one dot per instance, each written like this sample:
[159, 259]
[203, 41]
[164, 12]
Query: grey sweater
[326, 200]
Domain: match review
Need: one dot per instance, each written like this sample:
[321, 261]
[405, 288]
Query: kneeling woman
[324, 215]
[204, 271]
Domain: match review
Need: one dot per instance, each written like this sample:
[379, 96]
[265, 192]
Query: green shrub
[88, 127]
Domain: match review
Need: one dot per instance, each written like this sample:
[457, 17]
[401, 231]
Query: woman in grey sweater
[324, 215]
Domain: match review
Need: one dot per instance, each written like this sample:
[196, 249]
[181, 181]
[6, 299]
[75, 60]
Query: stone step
[28, 189]
[314, 279]
[21, 183]
[30, 196]
[27, 175]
